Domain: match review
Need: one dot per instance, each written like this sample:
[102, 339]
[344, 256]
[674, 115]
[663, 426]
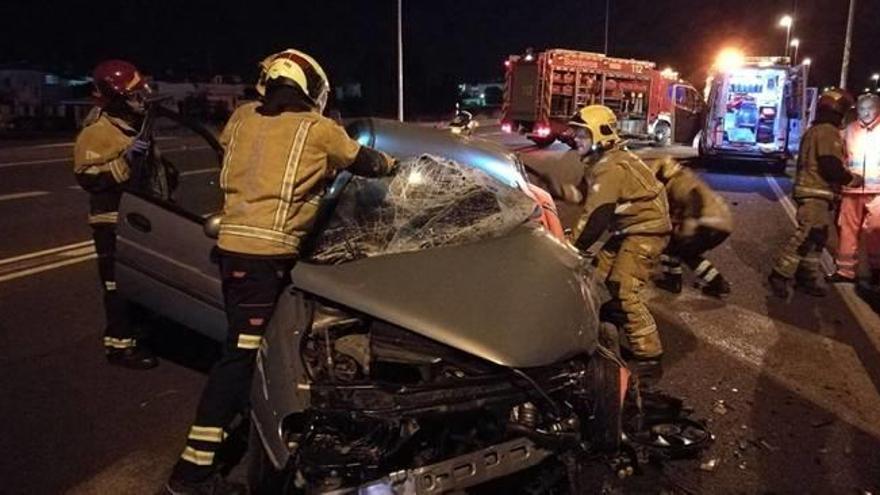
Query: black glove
[137, 149]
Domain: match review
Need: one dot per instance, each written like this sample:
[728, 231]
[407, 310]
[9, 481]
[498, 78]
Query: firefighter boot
[718, 287]
[648, 372]
[670, 282]
[215, 485]
[136, 358]
[810, 285]
[780, 286]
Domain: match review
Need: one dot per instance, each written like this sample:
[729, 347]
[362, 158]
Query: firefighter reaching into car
[104, 153]
[821, 173]
[625, 198]
[701, 220]
[281, 153]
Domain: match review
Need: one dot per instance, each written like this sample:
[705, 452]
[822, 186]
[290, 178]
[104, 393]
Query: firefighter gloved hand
[137, 149]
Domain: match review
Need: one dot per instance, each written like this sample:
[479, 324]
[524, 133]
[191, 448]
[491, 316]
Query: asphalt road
[799, 381]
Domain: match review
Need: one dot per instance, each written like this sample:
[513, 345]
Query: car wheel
[262, 476]
[662, 134]
[605, 424]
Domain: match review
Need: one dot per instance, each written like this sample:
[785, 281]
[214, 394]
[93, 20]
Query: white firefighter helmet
[295, 68]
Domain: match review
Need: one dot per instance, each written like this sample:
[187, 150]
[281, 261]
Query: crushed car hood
[521, 300]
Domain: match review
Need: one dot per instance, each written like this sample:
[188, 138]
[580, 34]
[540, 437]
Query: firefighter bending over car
[281, 154]
[701, 221]
[103, 157]
[821, 173]
[625, 198]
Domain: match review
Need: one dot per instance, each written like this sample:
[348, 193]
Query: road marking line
[864, 315]
[37, 254]
[199, 171]
[23, 195]
[35, 162]
[43, 268]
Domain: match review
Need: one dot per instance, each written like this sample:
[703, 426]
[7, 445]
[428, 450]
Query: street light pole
[607, 22]
[786, 22]
[795, 43]
[876, 79]
[400, 60]
[847, 45]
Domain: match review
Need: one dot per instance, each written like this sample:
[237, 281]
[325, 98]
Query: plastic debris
[768, 446]
[720, 408]
[710, 465]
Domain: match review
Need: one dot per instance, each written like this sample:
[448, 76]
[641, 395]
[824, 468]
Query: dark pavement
[799, 381]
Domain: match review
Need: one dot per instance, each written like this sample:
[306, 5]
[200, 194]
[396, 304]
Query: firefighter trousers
[625, 264]
[119, 333]
[859, 215]
[251, 287]
[690, 250]
[801, 254]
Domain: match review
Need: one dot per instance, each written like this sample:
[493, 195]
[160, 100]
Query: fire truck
[543, 90]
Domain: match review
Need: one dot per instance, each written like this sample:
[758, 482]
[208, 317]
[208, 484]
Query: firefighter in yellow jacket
[103, 154]
[821, 172]
[623, 197]
[281, 154]
[701, 220]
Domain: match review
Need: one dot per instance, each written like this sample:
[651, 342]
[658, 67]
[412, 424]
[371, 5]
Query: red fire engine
[543, 90]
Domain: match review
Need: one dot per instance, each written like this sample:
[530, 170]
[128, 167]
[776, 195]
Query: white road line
[864, 315]
[35, 162]
[43, 268]
[29, 194]
[199, 171]
[44, 252]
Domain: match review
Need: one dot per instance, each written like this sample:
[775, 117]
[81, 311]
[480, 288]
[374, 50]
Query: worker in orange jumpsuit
[860, 206]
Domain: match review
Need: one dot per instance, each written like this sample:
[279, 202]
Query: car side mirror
[212, 225]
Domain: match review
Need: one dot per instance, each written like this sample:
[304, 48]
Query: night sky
[449, 40]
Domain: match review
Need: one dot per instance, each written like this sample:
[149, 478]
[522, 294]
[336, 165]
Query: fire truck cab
[543, 90]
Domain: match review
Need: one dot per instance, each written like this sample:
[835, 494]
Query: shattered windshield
[429, 202]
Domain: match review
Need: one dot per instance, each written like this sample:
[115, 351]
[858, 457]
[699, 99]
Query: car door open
[164, 258]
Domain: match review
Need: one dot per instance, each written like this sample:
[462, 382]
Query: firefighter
[820, 174]
[860, 206]
[103, 154]
[281, 153]
[701, 221]
[623, 197]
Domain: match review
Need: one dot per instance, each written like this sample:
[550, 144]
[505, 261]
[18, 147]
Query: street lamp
[400, 60]
[795, 43]
[807, 61]
[786, 21]
[876, 78]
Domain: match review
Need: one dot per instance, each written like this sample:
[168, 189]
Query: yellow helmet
[298, 69]
[600, 121]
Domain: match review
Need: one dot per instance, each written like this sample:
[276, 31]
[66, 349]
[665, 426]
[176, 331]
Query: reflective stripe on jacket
[819, 140]
[275, 171]
[862, 144]
[621, 178]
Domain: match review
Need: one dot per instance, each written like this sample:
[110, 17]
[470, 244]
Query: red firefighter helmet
[117, 78]
[836, 100]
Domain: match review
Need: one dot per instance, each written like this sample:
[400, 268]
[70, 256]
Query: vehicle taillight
[507, 127]
[542, 130]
